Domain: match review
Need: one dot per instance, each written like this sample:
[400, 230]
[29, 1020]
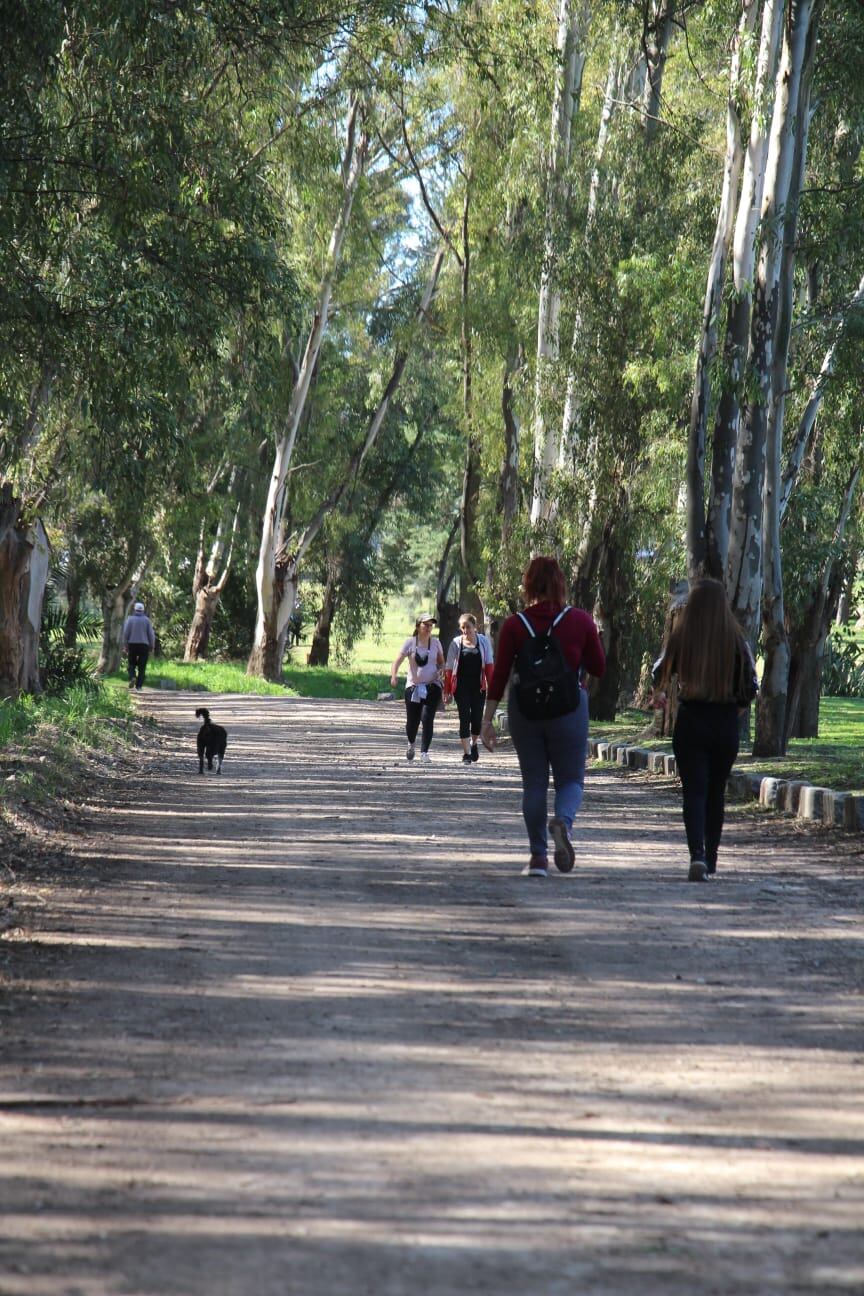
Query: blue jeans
[561, 745]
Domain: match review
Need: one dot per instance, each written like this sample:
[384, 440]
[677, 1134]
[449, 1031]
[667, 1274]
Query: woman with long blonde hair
[708, 656]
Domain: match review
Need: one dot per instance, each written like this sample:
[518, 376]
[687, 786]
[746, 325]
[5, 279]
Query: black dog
[212, 741]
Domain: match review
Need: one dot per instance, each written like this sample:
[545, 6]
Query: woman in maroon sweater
[560, 744]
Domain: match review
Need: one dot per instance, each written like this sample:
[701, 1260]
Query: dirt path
[302, 1030]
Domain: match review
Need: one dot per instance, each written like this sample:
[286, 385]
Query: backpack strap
[530, 628]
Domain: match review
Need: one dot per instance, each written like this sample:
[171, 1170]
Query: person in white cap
[139, 640]
[423, 692]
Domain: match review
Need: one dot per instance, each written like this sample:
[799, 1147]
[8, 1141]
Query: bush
[62, 668]
[843, 665]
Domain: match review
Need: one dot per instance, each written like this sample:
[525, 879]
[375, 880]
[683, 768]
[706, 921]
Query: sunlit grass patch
[832, 760]
[298, 679]
[211, 677]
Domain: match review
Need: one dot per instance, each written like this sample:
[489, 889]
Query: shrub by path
[302, 1029]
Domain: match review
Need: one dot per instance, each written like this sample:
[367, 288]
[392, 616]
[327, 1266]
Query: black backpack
[545, 683]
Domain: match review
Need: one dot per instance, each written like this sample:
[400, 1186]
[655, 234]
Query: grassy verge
[77, 715]
[231, 677]
[832, 760]
[44, 744]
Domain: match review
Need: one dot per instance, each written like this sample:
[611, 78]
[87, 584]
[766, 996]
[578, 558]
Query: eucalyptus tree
[368, 549]
[639, 222]
[131, 231]
[573, 17]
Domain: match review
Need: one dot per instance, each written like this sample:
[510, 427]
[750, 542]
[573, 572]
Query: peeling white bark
[571, 24]
[700, 405]
[270, 598]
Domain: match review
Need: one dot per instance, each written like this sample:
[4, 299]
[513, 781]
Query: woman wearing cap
[469, 669]
[423, 693]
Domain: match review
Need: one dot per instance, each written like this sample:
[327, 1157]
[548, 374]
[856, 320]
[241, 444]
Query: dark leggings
[424, 711]
[138, 654]
[469, 702]
[705, 744]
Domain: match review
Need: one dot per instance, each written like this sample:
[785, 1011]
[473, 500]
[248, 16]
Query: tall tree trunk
[287, 562]
[700, 405]
[508, 487]
[802, 720]
[446, 606]
[603, 699]
[655, 44]
[788, 153]
[274, 608]
[746, 550]
[471, 474]
[319, 652]
[24, 563]
[570, 438]
[568, 86]
[737, 330]
[209, 583]
[115, 603]
[73, 605]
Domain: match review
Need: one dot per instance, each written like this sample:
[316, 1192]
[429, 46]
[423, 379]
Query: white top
[420, 671]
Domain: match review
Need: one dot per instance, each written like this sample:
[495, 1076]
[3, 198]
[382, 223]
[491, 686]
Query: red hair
[544, 581]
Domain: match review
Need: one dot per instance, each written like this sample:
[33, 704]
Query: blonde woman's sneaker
[425, 758]
[536, 867]
[565, 856]
[410, 753]
[698, 871]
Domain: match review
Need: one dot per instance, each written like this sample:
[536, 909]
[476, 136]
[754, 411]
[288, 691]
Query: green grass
[46, 744]
[832, 760]
[363, 673]
[299, 680]
[211, 677]
[376, 652]
[79, 714]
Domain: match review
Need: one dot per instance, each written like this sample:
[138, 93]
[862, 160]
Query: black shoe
[698, 871]
[466, 759]
[475, 755]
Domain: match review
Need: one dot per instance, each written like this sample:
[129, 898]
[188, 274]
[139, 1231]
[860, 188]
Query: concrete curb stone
[789, 796]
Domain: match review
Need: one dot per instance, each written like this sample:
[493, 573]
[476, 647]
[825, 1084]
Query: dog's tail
[202, 711]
